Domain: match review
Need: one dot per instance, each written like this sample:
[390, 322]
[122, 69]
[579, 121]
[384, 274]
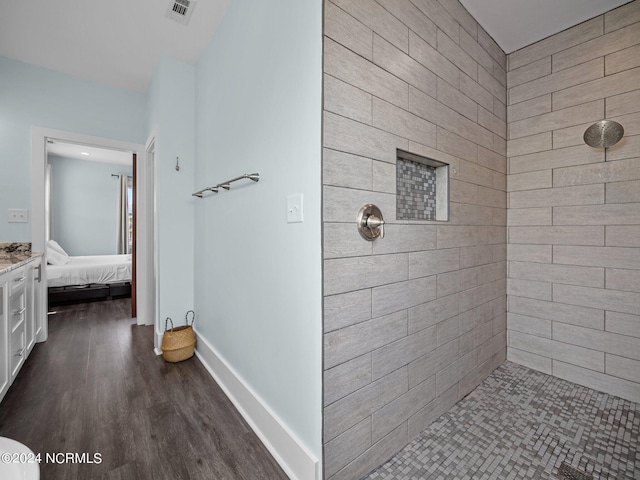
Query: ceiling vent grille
[181, 10]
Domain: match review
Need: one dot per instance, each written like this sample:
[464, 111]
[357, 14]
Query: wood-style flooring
[95, 386]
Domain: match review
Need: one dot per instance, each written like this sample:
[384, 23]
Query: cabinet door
[4, 338]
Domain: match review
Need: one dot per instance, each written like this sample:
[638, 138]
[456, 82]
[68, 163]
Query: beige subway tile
[428, 365]
[529, 72]
[476, 92]
[623, 192]
[622, 16]
[570, 136]
[405, 238]
[346, 378]
[528, 216]
[558, 235]
[528, 359]
[489, 44]
[529, 181]
[347, 446]
[623, 104]
[631, 123]
[379, 20]
[627, 147]
[392, 119]
[499, 145]
[432, 411]
[473, 173]
[500, 182]
[457, 146]
[609, 214]
[340, 204]
[431, 313]
[439, 15]
[402, 295]
[615, 171]
[346, 30]
[597, 89]
[597, 47]
[463, 192]
[476, 51]
[492, 122]
[557, 81]
[346, 100]
[428, 56]
[556, 43]
[529, 253]
[487, 80]
[346, 309]
[403, 66]
[351, 342]
[344, 170]
[403, 351]
[623, 236]
[452, 98]
[622, 367]
[551, 197]
[564, 157]
[614, 300]
[462, 16]
[465, 214]
[499, 74]
[622, 60]
[355, 273]
[431, 262]
[492, 197]
[558, 312]
[598, 381]
[359, 72]
[587, 276]
[490, 159]
[433, 111]
[473, 256]
[460, 236]
[343, 240]
[526, 145]
[602, 341]
[352, 409]
[348, 136]
[529, 288]
[567, 117]
[612, 257]
[457, 55]
[557, 350]
[530, 325]
[529, 108]
[499, 109]
[384, 177]
[456, 281]
[623, 279]
[623, 324]
[413, 18]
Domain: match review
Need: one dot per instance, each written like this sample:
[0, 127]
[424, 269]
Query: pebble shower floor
[523, 424]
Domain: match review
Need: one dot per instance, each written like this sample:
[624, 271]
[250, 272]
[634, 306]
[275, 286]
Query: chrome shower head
[603, 134]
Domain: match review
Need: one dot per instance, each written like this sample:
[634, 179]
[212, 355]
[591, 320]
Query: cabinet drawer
[17, 349]
[18, 281]
[17, 311]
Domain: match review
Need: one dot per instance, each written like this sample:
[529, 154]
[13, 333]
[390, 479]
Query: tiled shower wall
[414, 321]
[574, 211]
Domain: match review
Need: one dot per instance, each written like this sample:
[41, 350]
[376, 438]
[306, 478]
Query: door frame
[39, 136]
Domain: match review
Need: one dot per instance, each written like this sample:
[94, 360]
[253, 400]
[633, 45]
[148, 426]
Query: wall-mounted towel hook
[177, 164]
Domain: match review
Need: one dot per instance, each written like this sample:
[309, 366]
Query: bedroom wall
[257, 277]
[574, 216]
[412, 322]
[84, 201]
[34, 96]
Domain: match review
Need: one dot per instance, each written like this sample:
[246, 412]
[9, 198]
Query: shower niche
[422, 188]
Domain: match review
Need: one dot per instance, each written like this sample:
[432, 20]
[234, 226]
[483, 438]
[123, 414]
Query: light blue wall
[34, 96]
[84, 199]
[170, 117]
[258, 278]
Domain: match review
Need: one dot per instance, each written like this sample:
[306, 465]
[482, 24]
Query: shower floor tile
[523, 424]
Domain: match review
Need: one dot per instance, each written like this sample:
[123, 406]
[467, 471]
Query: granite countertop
[9, 263]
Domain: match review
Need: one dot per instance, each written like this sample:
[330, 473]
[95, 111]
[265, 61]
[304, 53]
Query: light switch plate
[294, 208]
[17, 215]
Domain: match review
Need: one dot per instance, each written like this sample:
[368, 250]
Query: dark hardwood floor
[96, 387]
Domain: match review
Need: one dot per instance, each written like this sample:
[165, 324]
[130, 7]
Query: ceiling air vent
[181, 10]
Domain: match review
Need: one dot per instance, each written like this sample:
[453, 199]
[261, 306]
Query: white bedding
[90, 269]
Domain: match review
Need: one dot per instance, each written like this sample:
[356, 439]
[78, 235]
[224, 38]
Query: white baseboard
[294, 458]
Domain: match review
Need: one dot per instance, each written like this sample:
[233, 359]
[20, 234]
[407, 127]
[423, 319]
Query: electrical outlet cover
[294, 208]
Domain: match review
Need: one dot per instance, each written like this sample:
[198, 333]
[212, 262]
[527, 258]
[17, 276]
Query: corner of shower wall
[416, 320]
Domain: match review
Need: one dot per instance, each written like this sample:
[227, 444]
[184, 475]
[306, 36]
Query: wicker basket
[178, 343]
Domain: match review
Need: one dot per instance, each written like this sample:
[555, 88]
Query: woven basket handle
[166, 322]
[193, 317]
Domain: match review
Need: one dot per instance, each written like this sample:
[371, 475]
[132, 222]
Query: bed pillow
[56, 258]
[53, 245]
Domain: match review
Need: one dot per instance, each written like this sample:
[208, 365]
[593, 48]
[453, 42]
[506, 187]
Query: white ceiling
[96, 154]
[514, 24]
[117, 42]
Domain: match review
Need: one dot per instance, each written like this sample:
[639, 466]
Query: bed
[88, 278]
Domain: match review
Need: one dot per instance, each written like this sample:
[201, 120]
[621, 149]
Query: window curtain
[123, 217]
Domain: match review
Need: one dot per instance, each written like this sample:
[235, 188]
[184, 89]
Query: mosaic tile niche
[421, 188]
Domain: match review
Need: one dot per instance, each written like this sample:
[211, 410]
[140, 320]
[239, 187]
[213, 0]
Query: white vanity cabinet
[19, 313]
